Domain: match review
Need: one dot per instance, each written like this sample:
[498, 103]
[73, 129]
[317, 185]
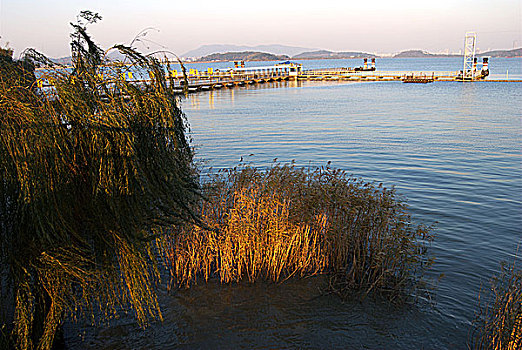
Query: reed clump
[498, 324]
[288, 221]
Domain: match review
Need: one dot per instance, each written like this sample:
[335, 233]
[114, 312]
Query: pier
[241, 75]
[196, 81]
[203, 82]
[231, 80]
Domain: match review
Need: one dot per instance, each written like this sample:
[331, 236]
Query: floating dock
[230, 80]
[241, 75]
[196, 81]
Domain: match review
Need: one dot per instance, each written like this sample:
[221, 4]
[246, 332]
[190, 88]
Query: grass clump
[288, 221]
[498, 324]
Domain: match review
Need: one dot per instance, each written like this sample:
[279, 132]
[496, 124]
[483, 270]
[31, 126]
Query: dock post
[365, 64]
[485, 64]
[373, 63]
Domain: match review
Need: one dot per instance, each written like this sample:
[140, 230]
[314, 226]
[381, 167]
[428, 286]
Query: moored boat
[418, 80]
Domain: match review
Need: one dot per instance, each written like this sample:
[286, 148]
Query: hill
[62, 60]
[493, 53]
[420, 53]
[331, 54]
[503, 53]
[275, 49]
[244, 56]
[113, 55]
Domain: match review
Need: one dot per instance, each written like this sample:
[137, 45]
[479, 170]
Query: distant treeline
[494, 53]
[325, 54]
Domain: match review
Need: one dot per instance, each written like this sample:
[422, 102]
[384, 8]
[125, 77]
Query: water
[453, 150]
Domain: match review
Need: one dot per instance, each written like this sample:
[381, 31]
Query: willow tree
[93, 170]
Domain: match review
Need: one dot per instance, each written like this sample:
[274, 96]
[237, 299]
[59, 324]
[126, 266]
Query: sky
[375, 26]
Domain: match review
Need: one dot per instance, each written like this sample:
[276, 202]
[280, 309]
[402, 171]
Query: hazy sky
[381, 26]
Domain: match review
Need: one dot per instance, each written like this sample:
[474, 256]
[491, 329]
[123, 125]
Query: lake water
[453, 151]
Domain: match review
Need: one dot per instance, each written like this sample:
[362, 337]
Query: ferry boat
[418, 80]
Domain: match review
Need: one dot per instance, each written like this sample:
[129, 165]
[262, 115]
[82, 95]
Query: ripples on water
[452, 150]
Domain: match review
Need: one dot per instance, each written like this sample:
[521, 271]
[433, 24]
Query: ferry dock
[213, 79]
[241, 76]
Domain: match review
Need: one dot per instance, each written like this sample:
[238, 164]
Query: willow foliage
[92, 171]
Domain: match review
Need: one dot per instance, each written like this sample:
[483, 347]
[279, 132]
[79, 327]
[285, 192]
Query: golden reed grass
[498, 324]
[294, 222]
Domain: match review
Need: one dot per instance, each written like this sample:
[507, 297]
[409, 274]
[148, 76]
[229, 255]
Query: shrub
[290, 221]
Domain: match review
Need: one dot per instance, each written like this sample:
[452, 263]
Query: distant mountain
[244, 56]
[330, 54]
[494, 53]
[221, 48]
[503, 53]
[114, 55]
[63, 60]
[420, 53]
[281, 52]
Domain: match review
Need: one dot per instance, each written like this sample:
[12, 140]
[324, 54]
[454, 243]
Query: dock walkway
[205, 81]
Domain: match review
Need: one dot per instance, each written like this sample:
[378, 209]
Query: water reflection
[194, 101]
[452, 149]
[296, 314]
[227, 95]
[211, 99]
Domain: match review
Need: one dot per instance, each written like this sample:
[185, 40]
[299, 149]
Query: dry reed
[498, 324]
[289, 221]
